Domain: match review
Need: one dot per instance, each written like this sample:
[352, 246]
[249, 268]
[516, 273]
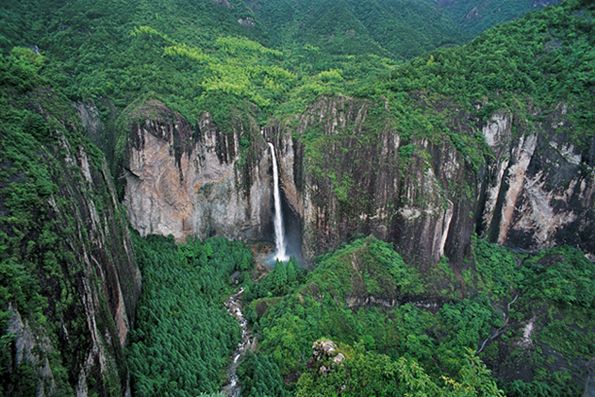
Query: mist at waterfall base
[287, 230]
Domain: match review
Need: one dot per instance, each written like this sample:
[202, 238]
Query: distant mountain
[396, 28]
[401, 28]
[475, 16]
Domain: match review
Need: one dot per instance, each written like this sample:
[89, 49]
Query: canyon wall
[347, 170]
[533, 190]
[540, 187]
[68, 259]
[202, 182]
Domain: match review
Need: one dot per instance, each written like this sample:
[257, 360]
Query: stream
[234, 307]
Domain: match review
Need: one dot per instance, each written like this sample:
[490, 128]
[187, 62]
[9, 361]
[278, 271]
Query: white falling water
[278, 221]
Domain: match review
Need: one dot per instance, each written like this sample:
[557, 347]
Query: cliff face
[345, 169]
[70, 279]
[203, 182]
[542, 185]
[533, 189]
[362, 181]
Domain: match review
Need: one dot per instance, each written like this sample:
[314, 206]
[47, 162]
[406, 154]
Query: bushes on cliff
[46, 206]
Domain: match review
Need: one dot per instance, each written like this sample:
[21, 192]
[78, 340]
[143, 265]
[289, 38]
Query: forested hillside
[477, 16]
[395, 326]
[69, 282]
[437, 188]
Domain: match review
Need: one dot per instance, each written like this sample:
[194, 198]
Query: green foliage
[259, 377]
[284, 277]
[498, 267]
[393, 28]
[363, 373]
[466, 322]
[184, 335]
[45, 213]
[519, 388]
[381, 269]
[505, 64]
[195, 57]
[331, 303]
[562, 275]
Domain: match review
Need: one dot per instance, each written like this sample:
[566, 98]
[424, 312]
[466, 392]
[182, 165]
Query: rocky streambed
[234, 307]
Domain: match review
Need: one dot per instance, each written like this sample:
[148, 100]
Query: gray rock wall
[184, 182]
[534, 189]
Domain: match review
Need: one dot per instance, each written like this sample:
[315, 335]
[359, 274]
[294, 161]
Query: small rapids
[234, 307]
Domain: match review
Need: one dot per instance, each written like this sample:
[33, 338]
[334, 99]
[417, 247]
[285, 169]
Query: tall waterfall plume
[278, 221]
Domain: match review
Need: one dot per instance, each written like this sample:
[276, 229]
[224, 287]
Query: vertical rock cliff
[346, 169]
[202, 181]
[531, 189]
[542, 184]
[70, 282]
[361, 177]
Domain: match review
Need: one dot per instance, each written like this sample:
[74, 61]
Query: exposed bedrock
[540, 186]
[345, 170]
[74, 343]
[184, 181]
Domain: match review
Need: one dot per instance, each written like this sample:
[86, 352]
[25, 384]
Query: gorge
[427, 195]
[376, 187]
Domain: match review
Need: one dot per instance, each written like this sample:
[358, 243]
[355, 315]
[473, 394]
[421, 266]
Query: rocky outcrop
[203, 181]
[541, 185]
[224, 3]
[325, 357]
[79, 268]
[534, 190]
[108, 283]
[345, 170]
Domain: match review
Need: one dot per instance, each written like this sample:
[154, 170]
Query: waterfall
[278, 221]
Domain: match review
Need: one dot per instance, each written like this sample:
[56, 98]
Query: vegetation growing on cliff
[55, 201]
[401, 330]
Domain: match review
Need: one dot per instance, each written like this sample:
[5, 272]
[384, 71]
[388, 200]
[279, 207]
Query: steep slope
[429, 194]
[492, 138]
[205, 182]
[477, 16]
[392, 28]
[69, 282]
[482, 139]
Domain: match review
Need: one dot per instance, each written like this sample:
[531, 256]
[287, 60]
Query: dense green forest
[397, 345]
[399, 330]
[184, 335]
[394, 329]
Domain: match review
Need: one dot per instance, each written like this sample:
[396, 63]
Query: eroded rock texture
[82, 267]
[367, 179]
[533, 191]
[200, 182]
[346, 170]
[541, 185]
